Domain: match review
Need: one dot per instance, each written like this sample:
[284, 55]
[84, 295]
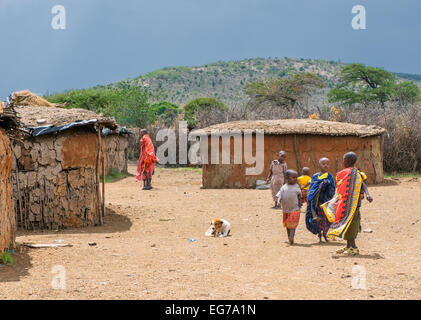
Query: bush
[402, 142]
[6, 258]
[165, 112]
[89, 99]
[203, 112]
[129, 106]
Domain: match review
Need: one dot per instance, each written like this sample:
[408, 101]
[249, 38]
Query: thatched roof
[36, 112]
[299, 126]
[51, 116]
[27, 98]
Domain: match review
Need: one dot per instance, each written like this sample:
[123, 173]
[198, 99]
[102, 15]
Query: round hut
[57, 168]
[7, 212]
[304, 140]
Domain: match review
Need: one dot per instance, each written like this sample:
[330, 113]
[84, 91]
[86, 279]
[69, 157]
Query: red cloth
[147, 158]
[348, 199]
[291, 219]
[342, 209]
[304, 194]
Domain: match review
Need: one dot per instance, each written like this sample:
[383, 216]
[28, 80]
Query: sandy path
[143, 251]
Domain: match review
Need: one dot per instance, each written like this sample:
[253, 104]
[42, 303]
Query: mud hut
[116, 145]
[8, 122]
[305, 142]
[57, 167]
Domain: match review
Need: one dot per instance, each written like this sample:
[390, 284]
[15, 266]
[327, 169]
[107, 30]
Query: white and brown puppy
[218, 228]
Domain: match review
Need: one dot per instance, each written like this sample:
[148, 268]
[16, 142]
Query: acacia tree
[362, 85]
[287, 93]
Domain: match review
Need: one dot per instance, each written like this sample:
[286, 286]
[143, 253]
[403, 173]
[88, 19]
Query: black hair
[289, 173]
[350, 158]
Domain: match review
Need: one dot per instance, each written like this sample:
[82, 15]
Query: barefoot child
[344, 209]
[322, 189]
[304, 182]
[290, 198]
[277, 175]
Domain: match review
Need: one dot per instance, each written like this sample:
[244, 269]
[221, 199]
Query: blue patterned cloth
[322, 189]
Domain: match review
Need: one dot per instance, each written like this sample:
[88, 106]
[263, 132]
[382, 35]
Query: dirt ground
[143, 250]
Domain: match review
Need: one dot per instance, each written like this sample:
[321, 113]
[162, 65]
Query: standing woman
[147, 160]
[277, 175]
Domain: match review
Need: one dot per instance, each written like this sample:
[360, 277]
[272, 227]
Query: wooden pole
[103, 178]
[98, 194]
[297, 154]
[19, 195]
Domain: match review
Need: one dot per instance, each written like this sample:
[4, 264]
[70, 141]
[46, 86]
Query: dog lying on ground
[218, 228]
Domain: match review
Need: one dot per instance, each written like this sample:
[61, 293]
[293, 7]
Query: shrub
[165, 112]
[202, 112]
[402, 142]
[7, 258]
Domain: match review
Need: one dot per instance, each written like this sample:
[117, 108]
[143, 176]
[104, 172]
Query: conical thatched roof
[298, 126]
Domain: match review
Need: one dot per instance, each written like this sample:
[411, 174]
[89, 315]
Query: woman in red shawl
[147, 160]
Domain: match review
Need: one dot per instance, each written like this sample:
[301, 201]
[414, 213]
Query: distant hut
[8, 122]
[116, 144]
[305, 142]
[57, 167]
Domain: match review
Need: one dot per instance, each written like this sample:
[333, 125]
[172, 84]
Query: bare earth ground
[143, 250]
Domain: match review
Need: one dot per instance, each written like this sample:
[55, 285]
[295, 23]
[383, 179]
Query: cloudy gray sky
[109, 40]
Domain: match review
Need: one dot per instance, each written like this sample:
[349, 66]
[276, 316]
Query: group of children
[332, 204]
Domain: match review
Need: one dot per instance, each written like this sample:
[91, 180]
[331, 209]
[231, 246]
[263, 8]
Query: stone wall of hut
[7, 212]
[56, 180]
[134, 143]
[116, 153]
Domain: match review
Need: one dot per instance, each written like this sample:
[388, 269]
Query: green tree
[89, 99]
[132, 108]
[199, 112]
[165, 112]
[368, 85]
[129, 106]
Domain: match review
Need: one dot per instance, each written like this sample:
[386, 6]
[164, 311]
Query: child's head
[350, 159]
[291, 176]
[324, 165]
[282, 155]
[306, 171]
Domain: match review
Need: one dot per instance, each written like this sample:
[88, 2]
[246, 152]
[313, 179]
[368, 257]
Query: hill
[225, 80]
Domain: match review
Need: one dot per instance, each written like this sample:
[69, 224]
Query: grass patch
[198, 170]
[114, 176]
[402, 175]
[178, 169]
[187, 169]
[6, 258]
